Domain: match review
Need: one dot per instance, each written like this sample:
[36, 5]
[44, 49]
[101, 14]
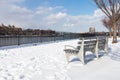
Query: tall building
[92, 29]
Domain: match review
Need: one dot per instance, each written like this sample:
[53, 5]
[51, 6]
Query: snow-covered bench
[91, 44]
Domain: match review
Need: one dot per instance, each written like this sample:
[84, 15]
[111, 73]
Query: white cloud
[48, 18]
[56, 17]
[98, 13]
[43, 10]
[10, 1]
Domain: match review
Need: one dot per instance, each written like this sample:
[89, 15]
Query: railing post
[18, 40]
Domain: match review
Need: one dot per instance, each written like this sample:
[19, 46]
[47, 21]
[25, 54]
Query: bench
[87, 44]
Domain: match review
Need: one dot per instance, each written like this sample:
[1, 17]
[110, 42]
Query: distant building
[92, 29]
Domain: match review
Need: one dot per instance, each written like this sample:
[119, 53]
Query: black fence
[8, 40]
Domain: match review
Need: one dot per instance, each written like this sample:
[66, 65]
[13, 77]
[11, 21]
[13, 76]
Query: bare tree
[112, 9]
[108, 24]
[118, 26]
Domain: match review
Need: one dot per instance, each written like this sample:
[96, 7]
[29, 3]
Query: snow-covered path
[47, 61]
[35, 62]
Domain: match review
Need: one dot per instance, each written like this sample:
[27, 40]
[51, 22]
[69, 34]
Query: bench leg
[96, 50]
[81, 56]
[96, 53]
[67, 57]
[106, 46]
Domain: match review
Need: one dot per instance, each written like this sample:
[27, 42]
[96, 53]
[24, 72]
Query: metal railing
[8, 40]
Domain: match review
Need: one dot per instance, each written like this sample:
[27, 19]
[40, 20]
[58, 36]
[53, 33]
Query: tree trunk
[110, 32]
[118, 31]
[114, 32]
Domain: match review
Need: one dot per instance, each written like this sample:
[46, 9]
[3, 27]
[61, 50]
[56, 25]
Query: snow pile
[114, 52]
[40, 62]
[107, 67]
[47, 61]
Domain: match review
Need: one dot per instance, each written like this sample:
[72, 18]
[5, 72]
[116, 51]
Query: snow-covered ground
[47, 61]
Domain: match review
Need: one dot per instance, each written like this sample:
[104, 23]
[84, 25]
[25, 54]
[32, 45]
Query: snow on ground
[47, 61]
[105, 68]
[34, 62]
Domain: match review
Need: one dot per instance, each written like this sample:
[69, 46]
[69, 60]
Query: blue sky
[73, 7]
[59, 15]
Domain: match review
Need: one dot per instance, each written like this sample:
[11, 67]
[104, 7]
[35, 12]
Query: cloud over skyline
[47, 17]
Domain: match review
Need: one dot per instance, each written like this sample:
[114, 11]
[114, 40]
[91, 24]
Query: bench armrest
[66, 46]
